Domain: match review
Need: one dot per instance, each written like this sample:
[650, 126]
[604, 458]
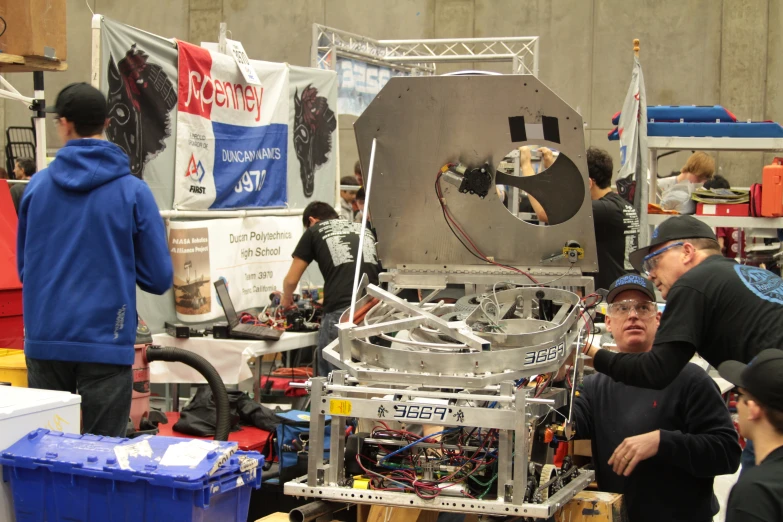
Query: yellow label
[339, 407]
[360, 482]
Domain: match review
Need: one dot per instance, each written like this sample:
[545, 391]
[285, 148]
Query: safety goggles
[650, 261]
[643, 309]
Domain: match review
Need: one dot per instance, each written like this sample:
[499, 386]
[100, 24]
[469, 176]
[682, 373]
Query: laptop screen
[225, 301]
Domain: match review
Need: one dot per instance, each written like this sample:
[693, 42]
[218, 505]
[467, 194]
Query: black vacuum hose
[201, 365]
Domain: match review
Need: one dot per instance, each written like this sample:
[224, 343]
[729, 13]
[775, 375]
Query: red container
[772, 189]
[742, 209]
[11, 323]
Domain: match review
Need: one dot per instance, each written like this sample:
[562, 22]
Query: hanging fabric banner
[312, 145]
[138, 74]
[232, 147]
[359, 83]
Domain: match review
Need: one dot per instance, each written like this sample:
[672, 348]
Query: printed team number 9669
[405, 411]
[251, 181]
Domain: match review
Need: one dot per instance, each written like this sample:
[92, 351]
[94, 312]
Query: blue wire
[417, 441]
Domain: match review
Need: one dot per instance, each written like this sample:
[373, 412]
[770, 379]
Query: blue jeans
[327, 333]
[748, 458]
[106, 390]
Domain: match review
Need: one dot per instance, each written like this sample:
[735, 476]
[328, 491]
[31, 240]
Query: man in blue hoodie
[89, 231]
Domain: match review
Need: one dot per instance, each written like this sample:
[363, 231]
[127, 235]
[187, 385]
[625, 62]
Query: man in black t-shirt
[758, 495]
[660, 448]
[332, 243]
[615, 220]
[714, 306]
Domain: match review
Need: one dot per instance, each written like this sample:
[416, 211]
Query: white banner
[359, 83]
[252, 255]
[312, 142]
[232, 146]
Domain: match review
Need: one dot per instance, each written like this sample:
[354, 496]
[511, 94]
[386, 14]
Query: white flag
[633, 146]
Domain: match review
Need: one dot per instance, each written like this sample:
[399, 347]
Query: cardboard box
[740, 209]
[583, 448]
[593, 506]
[34, 28]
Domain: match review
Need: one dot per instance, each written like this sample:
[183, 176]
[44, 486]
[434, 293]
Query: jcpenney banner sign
[252, 255]
[232, 137]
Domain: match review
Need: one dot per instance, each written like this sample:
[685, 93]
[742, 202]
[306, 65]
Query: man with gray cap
[660, 448]
[758, 495]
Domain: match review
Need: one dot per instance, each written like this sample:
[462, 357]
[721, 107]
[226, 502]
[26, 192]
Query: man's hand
[633, 450]
[547, 158]
[525, 157]
[287, 301]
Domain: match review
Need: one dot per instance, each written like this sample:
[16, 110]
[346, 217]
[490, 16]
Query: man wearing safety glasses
[714, 306]
[660, 448]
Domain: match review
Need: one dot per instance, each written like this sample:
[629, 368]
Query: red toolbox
[741, 209]
[11, 324]
[772, 189]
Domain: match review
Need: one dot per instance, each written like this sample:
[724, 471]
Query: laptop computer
[239, 330]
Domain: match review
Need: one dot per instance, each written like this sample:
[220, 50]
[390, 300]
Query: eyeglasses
[650, 261]
[643, 309]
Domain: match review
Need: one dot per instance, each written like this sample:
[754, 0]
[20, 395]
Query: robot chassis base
[460, 399]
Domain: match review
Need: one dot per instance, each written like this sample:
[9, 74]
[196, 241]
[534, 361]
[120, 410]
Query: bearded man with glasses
[660, 448]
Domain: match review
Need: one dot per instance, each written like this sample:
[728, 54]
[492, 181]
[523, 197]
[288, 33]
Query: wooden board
[393, 514]
[14, 63]
[593, 506]
[274, 517]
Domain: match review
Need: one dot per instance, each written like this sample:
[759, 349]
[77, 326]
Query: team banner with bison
[202, 138]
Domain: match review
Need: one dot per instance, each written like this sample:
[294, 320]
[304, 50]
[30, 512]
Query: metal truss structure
[420, 57]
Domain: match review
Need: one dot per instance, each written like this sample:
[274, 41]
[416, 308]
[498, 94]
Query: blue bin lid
[169, 461]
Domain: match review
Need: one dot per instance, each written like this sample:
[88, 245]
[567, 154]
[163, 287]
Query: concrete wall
[696, 52]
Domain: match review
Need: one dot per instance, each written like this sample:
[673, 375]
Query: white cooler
[23, 410]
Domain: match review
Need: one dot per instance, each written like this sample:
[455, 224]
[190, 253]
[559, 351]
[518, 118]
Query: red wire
[439, 193]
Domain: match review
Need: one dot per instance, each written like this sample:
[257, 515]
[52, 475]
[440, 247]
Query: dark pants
[327, 333]
[106, 391]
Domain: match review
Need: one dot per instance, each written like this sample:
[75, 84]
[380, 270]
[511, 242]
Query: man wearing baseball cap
[89, 232]
[758, 495]
[660, 448]
[714, 306]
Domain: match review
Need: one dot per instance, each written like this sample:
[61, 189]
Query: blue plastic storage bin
[86, 478]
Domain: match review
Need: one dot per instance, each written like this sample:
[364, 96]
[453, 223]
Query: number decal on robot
[545, 355]
[403, 411]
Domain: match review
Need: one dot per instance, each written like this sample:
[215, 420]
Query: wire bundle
[400, 469]
[462, 236]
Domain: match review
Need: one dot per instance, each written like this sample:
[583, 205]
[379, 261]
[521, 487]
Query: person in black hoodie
[660, 448]
[89, 232]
